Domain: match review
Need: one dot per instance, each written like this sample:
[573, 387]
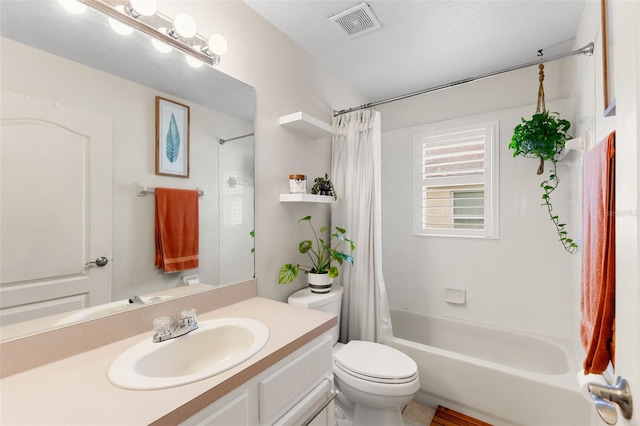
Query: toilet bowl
[374, 382]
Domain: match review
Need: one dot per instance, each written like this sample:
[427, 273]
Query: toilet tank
[330, 303]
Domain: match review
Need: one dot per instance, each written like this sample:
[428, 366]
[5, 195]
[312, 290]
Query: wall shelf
[576, 144]
[306, 198]
[307, 124]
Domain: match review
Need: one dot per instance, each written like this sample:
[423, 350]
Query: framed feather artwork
[172, 138]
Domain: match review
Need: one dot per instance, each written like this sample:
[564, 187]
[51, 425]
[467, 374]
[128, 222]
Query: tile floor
[415, 414]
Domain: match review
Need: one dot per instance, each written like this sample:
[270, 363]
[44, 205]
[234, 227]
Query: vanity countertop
[76, 390]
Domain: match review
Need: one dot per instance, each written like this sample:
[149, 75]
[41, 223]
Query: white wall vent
[357, 20]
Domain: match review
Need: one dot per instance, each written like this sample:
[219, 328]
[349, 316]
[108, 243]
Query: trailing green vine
[548, 186]
[544, 136]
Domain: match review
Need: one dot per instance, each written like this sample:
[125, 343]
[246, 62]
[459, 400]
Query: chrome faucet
[166, 328]
[136, 300]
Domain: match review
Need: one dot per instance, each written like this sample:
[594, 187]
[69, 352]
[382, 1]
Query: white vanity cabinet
[291, 392]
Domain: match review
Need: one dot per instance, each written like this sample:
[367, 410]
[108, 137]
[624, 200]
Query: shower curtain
[355, 172]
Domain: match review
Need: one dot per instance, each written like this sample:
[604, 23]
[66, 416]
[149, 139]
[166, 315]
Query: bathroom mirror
[49, 56]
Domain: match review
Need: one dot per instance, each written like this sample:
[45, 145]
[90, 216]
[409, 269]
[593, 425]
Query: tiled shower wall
[521, 280]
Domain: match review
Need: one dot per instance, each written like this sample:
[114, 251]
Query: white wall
[521, 280]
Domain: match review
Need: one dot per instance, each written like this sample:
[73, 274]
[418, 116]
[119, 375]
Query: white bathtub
[500, 376]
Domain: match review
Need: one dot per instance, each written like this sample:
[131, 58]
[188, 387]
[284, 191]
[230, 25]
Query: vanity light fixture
[161, 46]
[193, 61]
[118, 26]
[179, 33]
[183, 26]
[137, 8]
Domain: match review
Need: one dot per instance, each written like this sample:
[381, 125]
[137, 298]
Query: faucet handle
[189, 319]
[189, 313]
[161, 326]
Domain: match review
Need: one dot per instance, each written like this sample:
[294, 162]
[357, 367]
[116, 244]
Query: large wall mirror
[78, 138]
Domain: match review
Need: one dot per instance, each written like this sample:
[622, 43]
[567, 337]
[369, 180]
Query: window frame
[490, 179]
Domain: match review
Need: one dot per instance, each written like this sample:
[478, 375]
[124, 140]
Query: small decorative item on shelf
[323, 186]
[297, 184]
[321, 273]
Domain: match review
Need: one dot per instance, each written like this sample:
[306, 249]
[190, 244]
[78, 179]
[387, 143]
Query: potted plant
[544, 137]
[321, 273]
[323, 186]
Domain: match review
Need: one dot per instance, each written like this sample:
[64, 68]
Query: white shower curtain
[355, 172]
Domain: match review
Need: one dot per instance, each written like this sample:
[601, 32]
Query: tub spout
[136, 300]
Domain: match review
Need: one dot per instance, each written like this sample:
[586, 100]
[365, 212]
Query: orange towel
[176, 229]
[598, 256]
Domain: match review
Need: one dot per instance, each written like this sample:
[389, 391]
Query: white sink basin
[217, 345]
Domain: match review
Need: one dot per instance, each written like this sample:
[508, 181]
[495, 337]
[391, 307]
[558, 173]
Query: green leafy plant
[321, 256]
[548, 186]
[544, 137]
[323, 186]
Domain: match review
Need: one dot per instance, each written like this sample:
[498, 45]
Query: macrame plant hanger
[541, 107]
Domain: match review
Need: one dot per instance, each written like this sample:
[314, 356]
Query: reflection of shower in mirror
[233, 182]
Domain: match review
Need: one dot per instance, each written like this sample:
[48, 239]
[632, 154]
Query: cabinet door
[232, 413]
[325, 418]
[282, 389]
[304, 412]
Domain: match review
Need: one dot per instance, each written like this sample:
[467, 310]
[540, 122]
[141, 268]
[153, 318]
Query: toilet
[374, 381]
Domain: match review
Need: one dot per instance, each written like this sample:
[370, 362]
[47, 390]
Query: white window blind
[456, 182]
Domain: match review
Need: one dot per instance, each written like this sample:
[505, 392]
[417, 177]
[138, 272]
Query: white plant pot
[320, 283]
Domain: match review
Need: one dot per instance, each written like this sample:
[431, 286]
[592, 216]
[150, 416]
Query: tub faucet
[136, 300]
[167, 328]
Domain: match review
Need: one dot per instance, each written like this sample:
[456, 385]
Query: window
[456, 182]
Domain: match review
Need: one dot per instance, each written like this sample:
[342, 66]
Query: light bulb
[196, 63]
[161, 46]
[184, 25]
[73, 6]
[143, 7]
[218, 45]
[120, 28]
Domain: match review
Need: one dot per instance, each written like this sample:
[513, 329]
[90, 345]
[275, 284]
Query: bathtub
[501, 376]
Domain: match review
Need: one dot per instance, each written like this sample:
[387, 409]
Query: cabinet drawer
[285, 387]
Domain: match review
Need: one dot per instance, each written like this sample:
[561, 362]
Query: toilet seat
[375, 362]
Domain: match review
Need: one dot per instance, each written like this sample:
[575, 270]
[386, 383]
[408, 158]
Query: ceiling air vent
[357, 20]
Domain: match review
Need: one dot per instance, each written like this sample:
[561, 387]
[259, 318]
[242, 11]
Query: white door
[627, 78]
[55, 208]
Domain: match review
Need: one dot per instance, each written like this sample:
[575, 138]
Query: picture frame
[172, 138]
[607, 60]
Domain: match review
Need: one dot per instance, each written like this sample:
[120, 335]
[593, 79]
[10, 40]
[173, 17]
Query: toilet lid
[376, 362]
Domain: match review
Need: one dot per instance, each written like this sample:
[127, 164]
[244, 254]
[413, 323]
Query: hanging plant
[544, 137]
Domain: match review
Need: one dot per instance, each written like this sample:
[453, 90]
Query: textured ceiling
[426, 43]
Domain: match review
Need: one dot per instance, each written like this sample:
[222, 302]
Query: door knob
[606, 396]
[606, 410]
[101, 261]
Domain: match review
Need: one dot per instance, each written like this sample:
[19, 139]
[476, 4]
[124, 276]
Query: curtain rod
[223, 141]
[586, 50]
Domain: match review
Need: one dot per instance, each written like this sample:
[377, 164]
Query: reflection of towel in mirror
[598, 256]
[176, 229]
